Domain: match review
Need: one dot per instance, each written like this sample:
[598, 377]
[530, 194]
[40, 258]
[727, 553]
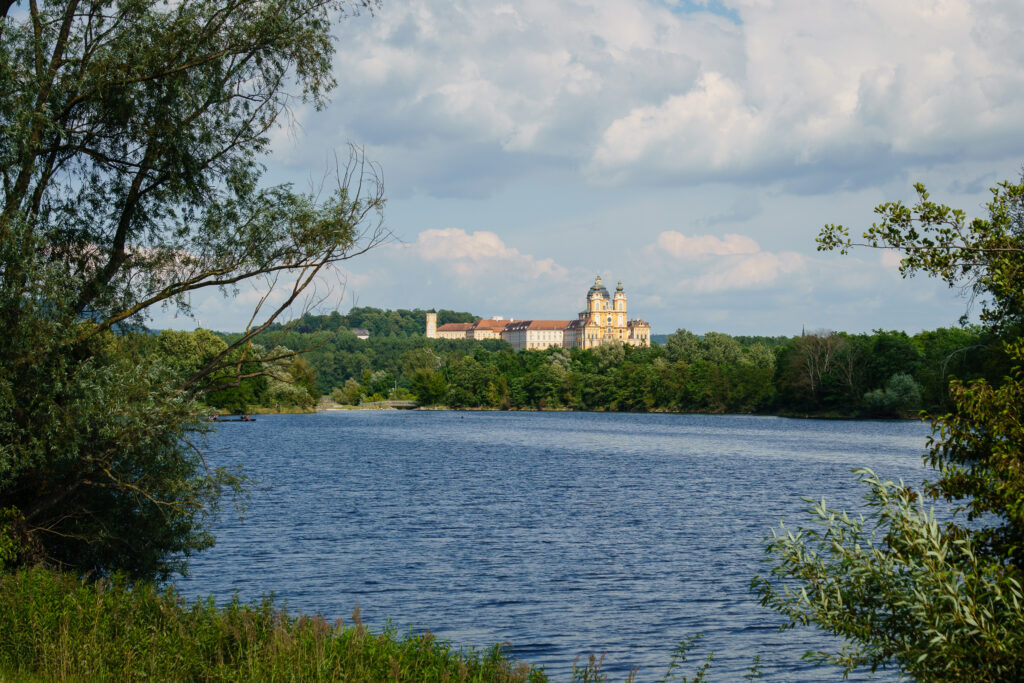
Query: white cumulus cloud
[690, 247]
[747, 272]
[450, 87]
[852, 87]
[482, 253]
[711, 126]
[891, 259]
[719, 264]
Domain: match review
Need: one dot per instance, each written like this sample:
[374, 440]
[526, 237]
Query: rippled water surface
[560, 533]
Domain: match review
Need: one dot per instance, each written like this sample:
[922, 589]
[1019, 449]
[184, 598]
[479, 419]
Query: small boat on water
[231, 418]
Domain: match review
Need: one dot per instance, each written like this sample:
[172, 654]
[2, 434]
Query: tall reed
[54, 627]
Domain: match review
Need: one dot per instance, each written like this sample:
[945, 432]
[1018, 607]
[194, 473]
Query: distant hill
[379, 322]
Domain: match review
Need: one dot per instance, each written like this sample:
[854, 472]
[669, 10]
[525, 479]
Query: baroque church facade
[604, 321]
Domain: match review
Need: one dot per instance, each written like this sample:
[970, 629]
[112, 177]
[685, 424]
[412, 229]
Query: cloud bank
[627, 91]
[710, 264]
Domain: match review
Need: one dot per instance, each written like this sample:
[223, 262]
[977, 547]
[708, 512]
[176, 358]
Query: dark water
[560, 533]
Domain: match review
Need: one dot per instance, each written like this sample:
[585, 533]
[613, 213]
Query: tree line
[881, 374]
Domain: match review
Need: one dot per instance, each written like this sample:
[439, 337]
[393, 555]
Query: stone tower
[597, 297]
[607, 320]
[619, 305]
[431, 325]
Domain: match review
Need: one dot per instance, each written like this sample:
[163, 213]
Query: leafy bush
[899, 590]
[900, 396]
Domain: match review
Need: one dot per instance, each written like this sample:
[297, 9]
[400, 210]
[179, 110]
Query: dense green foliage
[248, 377]
[129, 160]
[97, 465]
[53, 627]
[881, 374]
[940, 601]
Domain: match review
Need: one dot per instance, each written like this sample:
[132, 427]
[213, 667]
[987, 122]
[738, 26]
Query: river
[560, 533]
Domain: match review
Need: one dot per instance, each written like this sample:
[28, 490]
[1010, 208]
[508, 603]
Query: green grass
[54, 627]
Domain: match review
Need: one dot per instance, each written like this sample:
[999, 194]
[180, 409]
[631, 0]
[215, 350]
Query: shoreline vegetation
[56, 626]
[912, 415]
[385, 405]
[325, 406]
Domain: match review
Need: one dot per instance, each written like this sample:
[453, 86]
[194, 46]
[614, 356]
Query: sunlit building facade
[604, 321]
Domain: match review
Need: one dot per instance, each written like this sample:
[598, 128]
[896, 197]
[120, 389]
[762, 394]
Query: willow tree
[941, 600]
[132, 134]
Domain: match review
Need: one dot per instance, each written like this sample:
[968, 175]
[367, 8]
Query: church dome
[598, 288]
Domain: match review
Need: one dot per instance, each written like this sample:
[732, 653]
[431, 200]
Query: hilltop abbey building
[604, 321]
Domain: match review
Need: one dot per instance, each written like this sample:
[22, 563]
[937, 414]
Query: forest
[824, 373]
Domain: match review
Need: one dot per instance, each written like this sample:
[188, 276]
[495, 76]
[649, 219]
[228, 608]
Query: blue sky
[692, 150]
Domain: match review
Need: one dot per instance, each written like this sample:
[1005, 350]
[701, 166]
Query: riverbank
[829, 415]
[55, 627]
[265, 410]
[411, 405]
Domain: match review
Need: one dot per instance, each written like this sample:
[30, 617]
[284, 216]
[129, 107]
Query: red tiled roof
[548, 324]
[518, 325]
[490, 324]
[454, 327]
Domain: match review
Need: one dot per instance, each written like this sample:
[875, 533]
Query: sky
[692, 150]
